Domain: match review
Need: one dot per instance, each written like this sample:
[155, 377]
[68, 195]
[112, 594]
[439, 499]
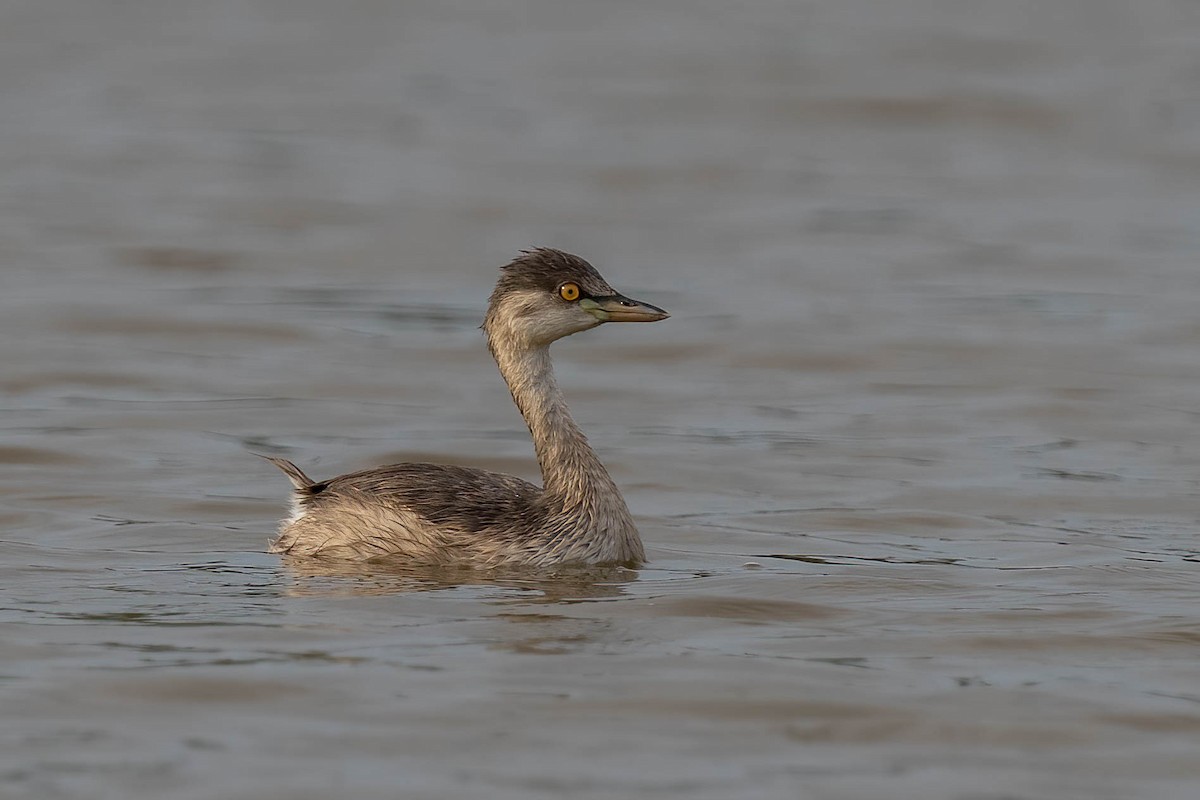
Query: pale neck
[570, 468]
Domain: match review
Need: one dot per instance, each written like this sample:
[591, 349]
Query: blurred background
[915, 458]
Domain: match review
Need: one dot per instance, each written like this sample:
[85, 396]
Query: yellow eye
[569, 292]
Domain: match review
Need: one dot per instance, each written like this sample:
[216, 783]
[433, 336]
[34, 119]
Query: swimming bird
[440, 514]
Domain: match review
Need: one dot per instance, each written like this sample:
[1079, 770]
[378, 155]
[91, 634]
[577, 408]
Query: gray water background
[915, 459]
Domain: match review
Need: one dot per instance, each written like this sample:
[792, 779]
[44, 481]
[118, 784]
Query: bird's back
[463, 497]
[434, 513]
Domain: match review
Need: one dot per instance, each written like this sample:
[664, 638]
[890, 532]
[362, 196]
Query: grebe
[440, 514]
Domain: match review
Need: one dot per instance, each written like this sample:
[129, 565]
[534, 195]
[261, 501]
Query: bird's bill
[619, 308]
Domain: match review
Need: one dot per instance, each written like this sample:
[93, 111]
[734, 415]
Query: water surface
[915, 459]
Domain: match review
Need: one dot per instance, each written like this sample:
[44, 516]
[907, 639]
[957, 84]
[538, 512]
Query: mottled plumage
[438, 514]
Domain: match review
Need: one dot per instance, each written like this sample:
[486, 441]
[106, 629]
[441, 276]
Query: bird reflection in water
[316, 577]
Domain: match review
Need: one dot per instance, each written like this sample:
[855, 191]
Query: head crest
[545, 269]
